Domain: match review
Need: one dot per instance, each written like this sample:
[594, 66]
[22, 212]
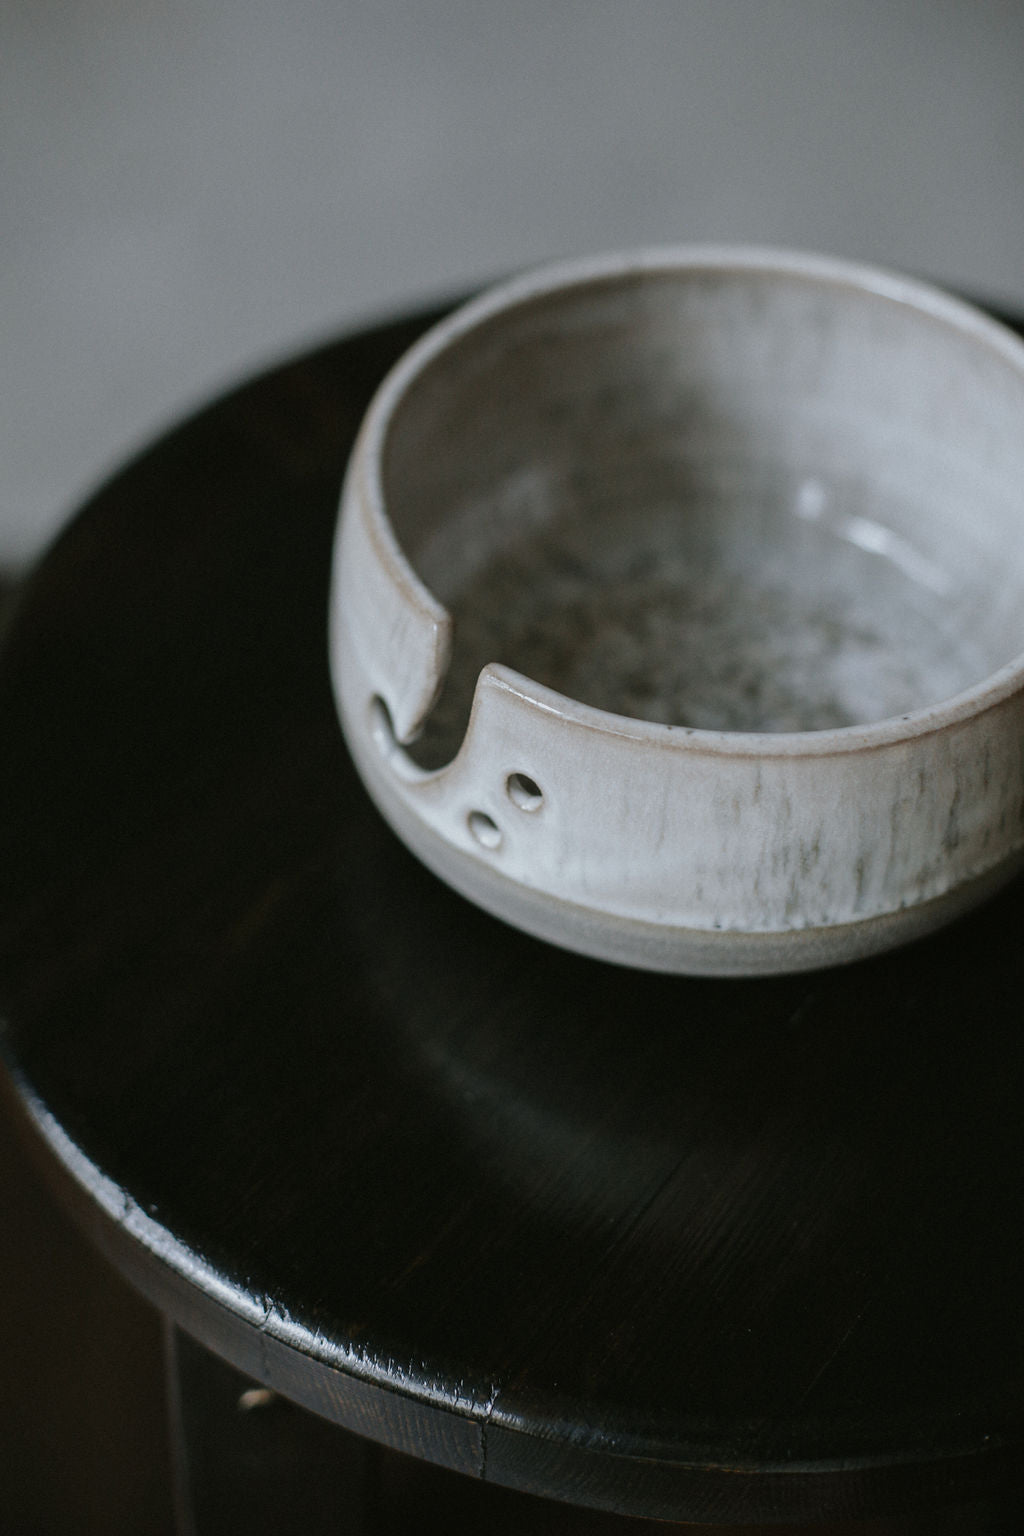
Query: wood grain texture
[252, 1462]
[249, 1461]
[718, 1251]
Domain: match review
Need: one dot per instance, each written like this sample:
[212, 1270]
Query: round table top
[708, 1250]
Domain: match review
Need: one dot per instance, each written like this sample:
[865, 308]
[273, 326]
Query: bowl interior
[735, 500]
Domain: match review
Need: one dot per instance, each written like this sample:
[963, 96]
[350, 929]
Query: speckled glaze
[678, 607]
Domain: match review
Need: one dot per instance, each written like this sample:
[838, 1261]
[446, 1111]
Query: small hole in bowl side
[485, 829]
[524, 792]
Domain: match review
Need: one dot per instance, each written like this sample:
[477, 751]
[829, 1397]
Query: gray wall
[191, 187]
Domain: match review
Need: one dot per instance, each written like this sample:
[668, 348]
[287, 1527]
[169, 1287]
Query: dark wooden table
[665, 1248]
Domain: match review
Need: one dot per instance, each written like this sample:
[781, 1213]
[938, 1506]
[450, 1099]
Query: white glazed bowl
[733, 543]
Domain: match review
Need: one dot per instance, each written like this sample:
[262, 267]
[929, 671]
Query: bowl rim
[524, 290]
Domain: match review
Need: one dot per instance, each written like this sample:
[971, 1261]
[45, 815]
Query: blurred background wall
[189, 188]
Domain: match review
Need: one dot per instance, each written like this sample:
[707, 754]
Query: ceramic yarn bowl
[678, 607]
